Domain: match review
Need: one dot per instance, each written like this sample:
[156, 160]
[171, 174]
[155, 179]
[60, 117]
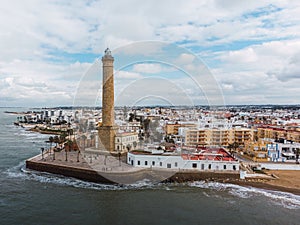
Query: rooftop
[199, 153]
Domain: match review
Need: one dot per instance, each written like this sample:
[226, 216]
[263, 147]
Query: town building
[203, 159]
[218, 137]
[126, 141]
[282, 152]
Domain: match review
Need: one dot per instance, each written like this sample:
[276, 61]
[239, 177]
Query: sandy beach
[286, 181]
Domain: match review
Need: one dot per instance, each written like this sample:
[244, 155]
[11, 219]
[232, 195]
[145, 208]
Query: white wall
[280, 166]
[161, 161]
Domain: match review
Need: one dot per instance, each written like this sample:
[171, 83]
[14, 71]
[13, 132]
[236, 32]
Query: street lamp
[42, 149]
[66, 154]
[78, 155]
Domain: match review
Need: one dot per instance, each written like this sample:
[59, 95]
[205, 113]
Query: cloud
[291, 70]
[153, 89]
[242, 41]
[243, 56]
[127, 75]
[24, 92]
[277, 59]
[147, 68]
[184, 59]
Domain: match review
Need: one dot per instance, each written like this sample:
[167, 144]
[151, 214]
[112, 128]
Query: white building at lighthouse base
[206, 159]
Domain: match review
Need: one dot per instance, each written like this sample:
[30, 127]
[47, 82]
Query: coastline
[265, 185]
[283, 181]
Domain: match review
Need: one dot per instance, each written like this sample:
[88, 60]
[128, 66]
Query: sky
[189, 52]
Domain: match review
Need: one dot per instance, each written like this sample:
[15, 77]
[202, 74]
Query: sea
[29, 197]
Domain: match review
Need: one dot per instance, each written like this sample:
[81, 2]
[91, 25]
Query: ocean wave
[73, 182]
[285, 199]
[32, 135]
[288, 200]
[20, 171]
[12, 126]
[15, 172]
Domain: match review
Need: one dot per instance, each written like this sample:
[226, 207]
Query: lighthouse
[107, 130]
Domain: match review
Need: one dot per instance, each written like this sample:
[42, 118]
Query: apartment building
[218, 137]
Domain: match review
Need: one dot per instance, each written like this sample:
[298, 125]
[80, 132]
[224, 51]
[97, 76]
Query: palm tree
[128, 147]
[230, 147]
[92, 144]
[51, 140]
[69, 143]
[84, 139]
[235, 145]
[134, 144]
[70, 132]
[56, 140]
[62, 137]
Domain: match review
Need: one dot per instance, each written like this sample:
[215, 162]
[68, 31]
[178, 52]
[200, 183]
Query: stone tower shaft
[108, 89]
[107, 130]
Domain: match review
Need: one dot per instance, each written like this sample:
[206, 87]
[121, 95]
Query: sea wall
[79, 173]
[195, 176]
[129, 177]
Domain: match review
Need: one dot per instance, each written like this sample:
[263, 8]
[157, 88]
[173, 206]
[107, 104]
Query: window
[202, 166]
[132, 162]
[169, 165]
[176, 164]
[194, 165]
[234, 167]
[224, 167]
[139, 163]
[160, 164]
[146, 163]
[209, 166]
[153, 163]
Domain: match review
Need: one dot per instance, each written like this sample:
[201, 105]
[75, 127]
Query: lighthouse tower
[108, 129]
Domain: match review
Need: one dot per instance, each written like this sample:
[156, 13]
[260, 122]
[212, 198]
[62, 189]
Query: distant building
[281, 152]
[275, 133]
[257, 151]
[217, 137]
[174, 127]
[126, 141]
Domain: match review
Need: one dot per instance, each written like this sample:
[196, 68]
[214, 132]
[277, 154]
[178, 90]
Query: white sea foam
[32, 135]
[285, 199]
[206, 194]
[20, 171]
[15, 172]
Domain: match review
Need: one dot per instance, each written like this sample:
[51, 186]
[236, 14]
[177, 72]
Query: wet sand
[285, 180]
